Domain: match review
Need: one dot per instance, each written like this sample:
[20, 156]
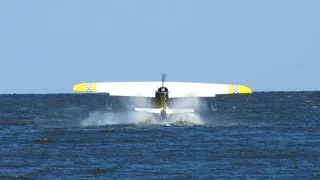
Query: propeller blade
[163, 77]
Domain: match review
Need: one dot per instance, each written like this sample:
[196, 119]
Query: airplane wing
[176, 89]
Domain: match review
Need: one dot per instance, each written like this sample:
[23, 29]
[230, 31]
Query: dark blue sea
[265, 135]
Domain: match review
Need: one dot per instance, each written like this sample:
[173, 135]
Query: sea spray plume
[139, 118]
[101, 118]
[142, 102]
[112, 118]
[127, 117]
[187, 102]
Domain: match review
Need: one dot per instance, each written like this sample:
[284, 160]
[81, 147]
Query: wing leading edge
[176, 89]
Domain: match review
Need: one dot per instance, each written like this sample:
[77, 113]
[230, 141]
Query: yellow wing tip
[89, 87]
[79, 87]
[239, 89]
[244, 89]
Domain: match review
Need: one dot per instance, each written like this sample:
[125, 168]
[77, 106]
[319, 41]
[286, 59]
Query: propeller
[163, 78]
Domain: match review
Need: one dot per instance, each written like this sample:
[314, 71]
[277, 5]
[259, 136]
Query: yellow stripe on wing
[230, 89]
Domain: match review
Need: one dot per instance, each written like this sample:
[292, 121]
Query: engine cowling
[162, 91]
[162, 95]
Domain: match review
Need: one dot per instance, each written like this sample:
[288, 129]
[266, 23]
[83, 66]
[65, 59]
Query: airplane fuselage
[161, 100]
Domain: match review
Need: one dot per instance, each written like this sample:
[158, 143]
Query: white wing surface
[147, 89]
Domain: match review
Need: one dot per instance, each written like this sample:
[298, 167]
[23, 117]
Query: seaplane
[162, 92]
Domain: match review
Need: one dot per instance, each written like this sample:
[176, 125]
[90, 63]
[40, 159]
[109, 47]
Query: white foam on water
[132, 117]
[185, 119]
[109, 118]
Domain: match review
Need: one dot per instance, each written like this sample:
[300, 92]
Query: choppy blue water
[266, 135]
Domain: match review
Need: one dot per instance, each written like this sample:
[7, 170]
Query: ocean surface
[265, 135]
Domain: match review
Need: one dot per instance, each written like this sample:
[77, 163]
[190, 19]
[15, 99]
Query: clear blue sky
[48, 46]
